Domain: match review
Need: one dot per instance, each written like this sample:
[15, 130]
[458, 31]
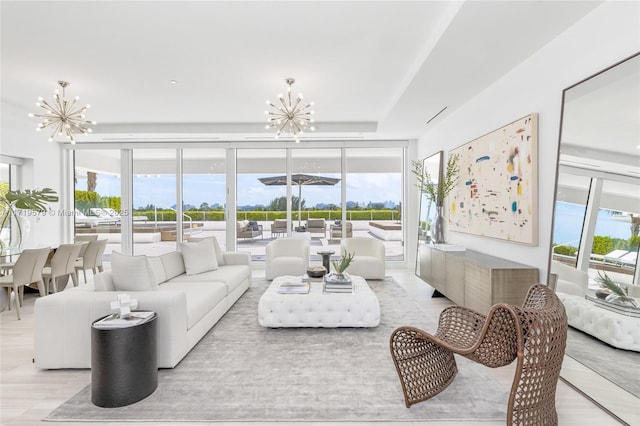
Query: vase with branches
[438, 190]
[12, 202]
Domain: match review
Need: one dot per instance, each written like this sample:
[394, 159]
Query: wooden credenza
[475, 280]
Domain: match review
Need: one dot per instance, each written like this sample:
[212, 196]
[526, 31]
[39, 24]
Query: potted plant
[437, 191]
[619, 295]
[341, 265]
[34, 200]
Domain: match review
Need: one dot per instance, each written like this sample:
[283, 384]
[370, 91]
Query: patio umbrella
[300, 180]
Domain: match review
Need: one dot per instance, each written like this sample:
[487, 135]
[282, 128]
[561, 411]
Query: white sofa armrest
[236, 258]
[63, 325]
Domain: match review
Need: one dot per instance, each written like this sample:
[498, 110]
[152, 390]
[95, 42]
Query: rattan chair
[534, 334]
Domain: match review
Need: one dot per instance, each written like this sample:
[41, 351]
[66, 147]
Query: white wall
[605, 36]
[42, 168]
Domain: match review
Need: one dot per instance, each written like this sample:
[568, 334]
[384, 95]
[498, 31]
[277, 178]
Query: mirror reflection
[596, 231]
[433, 166]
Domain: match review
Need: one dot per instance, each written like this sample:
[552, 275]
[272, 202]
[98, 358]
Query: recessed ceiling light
[174, 81]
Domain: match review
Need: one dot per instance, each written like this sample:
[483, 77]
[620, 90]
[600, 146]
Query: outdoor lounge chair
[246, 229]
[279, 228]
[105, 217]
[316, 226]
[535, 335]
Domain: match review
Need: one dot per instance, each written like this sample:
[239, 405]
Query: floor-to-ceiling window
[316, 194]
[571, 207]
[597, 225]
[155, 205]
[196, 200]
[97, 203]
[374, 195]
[261, 206]
[204, 192]
[5, 185]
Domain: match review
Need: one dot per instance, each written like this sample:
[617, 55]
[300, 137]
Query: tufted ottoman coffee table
[618, 330]
[319, 309]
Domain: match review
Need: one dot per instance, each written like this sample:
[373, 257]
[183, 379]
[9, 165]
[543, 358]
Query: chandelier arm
[58, 128]
[70, 107]
[78, 112]
[59, 104]
[278, 114]
[287, 108]
[294, 108]
[45, 105]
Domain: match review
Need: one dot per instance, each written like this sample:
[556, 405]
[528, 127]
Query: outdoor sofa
[248, 229]
[316, 226]
[190, 290]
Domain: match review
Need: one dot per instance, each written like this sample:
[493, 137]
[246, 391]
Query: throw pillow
[132, 273]
[216, 246]
[199, 257]
[155, 263]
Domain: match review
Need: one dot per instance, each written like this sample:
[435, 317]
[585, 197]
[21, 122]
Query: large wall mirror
[433, 166]
[597, 231]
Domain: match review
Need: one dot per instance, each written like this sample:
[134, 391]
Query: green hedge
[270, 216]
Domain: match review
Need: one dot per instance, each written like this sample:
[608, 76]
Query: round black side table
[124, 363]
[326, 258]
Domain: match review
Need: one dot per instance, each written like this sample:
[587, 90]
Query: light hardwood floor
[27, 394]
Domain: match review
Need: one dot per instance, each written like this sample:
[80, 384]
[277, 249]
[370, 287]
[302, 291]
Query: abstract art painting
[496, 194]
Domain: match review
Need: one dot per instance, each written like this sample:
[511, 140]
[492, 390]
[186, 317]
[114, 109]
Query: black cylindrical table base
[124, 364]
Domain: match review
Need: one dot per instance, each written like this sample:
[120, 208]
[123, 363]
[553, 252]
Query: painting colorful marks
[496, 194]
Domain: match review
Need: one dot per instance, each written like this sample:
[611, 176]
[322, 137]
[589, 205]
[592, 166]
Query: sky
[160, 190]
[568, 224]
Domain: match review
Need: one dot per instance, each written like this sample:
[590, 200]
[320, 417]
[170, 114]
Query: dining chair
[92, 258]
[27, 270]
[85, 239]
[62, 265]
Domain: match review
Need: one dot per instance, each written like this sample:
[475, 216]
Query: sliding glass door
[204, 193]
[182, 192]
[155, 209]
[97, 200]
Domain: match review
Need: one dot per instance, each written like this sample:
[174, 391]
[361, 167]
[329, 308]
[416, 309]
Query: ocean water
[570, 217]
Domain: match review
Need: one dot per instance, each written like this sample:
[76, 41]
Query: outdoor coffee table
[319, 309]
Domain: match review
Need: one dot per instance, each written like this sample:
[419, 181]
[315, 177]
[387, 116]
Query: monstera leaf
[32, 199]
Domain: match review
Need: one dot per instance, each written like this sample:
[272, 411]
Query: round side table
[326, 258]
[124, 363]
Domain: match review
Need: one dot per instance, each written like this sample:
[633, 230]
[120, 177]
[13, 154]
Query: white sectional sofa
[187, 304]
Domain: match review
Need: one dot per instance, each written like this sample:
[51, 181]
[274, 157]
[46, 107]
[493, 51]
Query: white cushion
[103, 282]
[158, 269]
[216, 246]
[132, 273]
[231, 275]
[173, 264]
[201, 298]
[199, 257]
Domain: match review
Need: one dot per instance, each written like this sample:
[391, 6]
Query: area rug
[243, 372]
[618, 365]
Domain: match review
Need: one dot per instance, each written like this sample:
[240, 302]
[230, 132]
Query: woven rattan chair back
[534, 334]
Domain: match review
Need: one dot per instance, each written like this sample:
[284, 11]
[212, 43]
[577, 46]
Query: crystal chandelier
[64, 116]
[290, 117]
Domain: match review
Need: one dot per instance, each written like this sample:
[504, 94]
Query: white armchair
[369, 257]
[569, 279]
[286, 256]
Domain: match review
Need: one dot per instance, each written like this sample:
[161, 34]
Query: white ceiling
[375, 69]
